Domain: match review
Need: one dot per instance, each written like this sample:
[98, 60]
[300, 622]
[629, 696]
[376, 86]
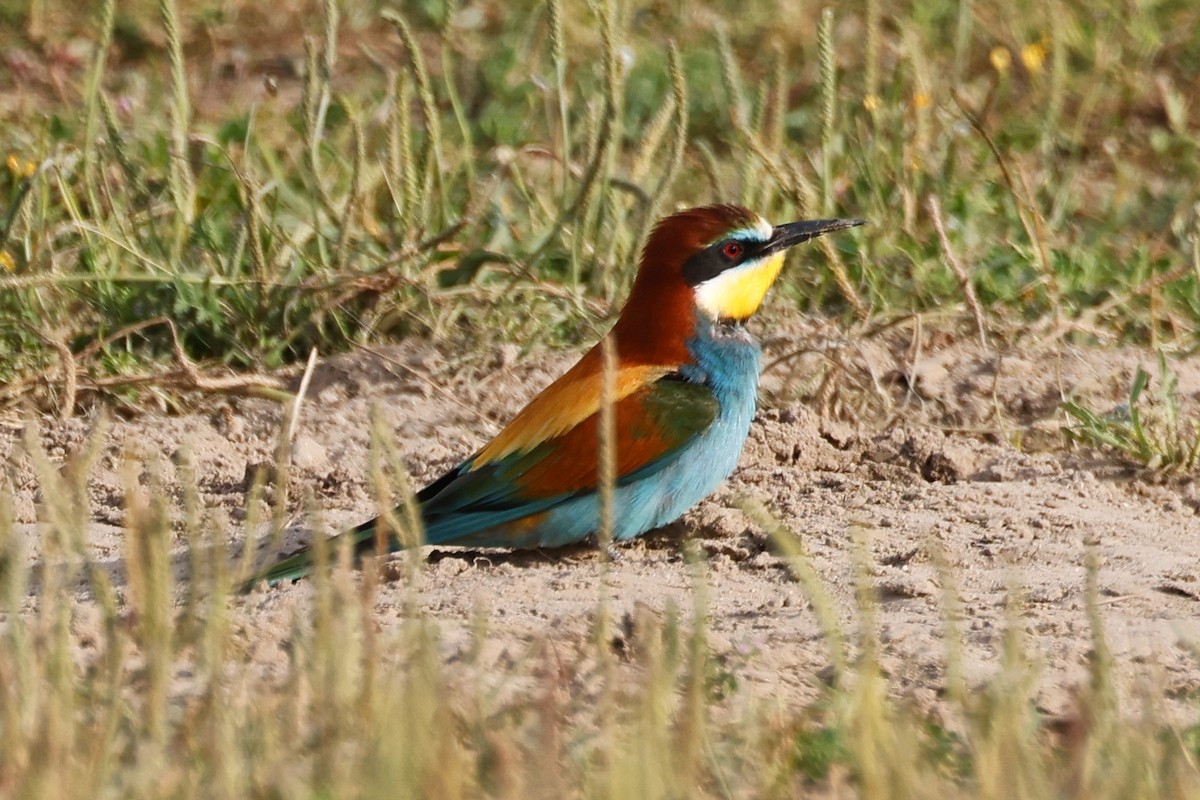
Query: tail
[300, 565]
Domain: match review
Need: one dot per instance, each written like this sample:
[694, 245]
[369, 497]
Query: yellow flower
[1033, 55]
[871, 102]
[1001, 59]
[19, 168]
[6, 262]
[922, 99]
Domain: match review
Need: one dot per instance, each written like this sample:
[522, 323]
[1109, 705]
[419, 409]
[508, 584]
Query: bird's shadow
[495, 557]
[669, 537]
[115, 571]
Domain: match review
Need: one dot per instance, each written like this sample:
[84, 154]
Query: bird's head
[716, 261]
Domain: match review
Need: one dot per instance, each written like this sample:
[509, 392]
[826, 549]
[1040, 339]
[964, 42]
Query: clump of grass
[1158, 436]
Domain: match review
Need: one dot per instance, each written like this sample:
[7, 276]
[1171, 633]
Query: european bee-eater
[684, 393]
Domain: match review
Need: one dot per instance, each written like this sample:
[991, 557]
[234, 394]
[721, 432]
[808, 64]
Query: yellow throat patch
[737, 293]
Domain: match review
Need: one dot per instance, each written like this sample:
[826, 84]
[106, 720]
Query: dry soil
[925, 450]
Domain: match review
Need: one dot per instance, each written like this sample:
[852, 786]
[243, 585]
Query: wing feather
[654, 424]
[564, 404]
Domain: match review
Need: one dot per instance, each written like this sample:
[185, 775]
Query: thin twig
[98, 344]
[67, 359]
[964, 280]
[1022, 202]
[294, 417]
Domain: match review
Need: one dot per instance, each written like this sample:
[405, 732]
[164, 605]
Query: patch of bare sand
[942, 476]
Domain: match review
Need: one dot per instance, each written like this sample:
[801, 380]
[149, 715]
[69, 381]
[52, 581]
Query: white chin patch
[713, 294]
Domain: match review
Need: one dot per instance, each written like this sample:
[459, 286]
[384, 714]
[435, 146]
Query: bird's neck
[700, 348]
[655, 328]
[726, 358]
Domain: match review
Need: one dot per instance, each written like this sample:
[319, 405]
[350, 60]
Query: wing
[653, 425]
[562, 405]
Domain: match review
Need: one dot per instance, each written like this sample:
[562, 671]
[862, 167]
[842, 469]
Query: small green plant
[816, 750]
[1156, 437]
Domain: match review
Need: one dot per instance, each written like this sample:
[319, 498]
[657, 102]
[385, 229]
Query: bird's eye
[732, 250]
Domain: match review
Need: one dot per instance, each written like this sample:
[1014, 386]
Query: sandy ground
[911, 448]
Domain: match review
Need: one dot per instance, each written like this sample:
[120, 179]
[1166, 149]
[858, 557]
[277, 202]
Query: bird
[683, 396]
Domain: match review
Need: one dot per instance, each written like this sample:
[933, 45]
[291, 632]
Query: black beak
[793, 233]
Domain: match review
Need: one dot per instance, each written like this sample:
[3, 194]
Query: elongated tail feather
[301, 564]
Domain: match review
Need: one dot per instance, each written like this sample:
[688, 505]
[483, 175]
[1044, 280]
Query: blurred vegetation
[157, 688]
[274, 178]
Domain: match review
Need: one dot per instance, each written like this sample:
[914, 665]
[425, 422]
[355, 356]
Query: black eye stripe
[712, 261]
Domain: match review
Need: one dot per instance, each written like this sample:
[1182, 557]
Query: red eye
[731, 250]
